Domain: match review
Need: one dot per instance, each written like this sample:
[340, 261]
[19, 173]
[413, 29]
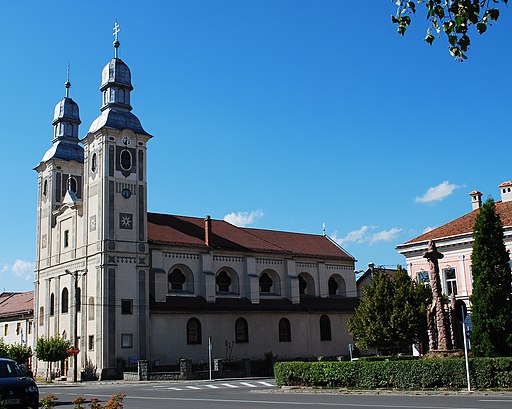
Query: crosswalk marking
[229, 385]
[203, 386]
[250, 385]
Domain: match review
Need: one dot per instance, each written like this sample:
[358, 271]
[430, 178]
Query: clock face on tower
[126, 141]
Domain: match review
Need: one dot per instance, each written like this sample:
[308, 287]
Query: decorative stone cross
[433, 256]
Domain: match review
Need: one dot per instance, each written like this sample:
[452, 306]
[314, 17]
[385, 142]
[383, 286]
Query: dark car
[17, 389]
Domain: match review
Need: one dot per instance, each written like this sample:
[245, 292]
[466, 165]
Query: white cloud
[364, 235]
[355, 236]
[439, 192]
[429, 228]
[5, 267]
[385, 235]
[23, 269]
[242, 219]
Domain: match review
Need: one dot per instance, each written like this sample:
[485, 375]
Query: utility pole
[75, 276]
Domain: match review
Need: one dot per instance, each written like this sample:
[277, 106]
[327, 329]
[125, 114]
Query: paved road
[260, 394]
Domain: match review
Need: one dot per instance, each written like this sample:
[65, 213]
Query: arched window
[41, 316]
[45, 188]
[223, 281]
[176, 280]
[302, 285]
[306, 284]
[194, 331]
[52, 305]
[78, 299]
[72, 185]
[91, 308]
[64, 301]
[241, 331]
[265, 283]
[337, 286]
[325, 328]
[333, 286]
[285, 332]
[126, 160]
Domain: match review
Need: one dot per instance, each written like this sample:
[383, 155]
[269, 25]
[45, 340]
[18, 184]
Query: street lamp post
[74, 274]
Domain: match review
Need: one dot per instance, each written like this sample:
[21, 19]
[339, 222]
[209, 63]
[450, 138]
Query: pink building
[455, 240]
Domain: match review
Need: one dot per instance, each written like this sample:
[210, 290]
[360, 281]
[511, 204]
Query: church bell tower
[115, 192]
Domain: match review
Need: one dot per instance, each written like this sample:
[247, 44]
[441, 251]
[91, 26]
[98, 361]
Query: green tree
[392, 315]
[405, 317]
[492, 285]
[53, 349]
[4, 349]
[453, 17]
[19, 353]
[370, 324]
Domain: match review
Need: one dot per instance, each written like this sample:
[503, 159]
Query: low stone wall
[186, 372]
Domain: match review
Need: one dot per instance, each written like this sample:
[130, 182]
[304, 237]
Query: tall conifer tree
[491, 298]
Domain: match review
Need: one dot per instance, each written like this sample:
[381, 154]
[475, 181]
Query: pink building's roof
[464, 225]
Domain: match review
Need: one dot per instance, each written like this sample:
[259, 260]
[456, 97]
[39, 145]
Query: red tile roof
[464, 225]
[12, 304]
[507, 183]
[186, 231]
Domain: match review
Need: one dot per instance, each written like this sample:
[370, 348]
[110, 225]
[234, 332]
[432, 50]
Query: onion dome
[116, 85]
[66, 120]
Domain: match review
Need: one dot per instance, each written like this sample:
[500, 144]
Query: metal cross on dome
[116, 31]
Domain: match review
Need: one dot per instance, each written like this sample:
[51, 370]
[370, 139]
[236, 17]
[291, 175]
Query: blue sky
[277, 114]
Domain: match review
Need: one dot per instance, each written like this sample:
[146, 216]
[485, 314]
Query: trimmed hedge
[401, 374]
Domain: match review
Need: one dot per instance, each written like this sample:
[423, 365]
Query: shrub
[400, 374]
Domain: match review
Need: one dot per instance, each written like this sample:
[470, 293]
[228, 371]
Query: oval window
[94, 162]
[126, 160]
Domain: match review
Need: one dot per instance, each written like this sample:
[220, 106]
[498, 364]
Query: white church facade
[133, 285]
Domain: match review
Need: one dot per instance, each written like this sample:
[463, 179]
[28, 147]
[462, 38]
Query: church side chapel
[124, 284]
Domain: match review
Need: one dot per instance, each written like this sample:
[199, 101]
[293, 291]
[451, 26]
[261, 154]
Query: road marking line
[250, 385]
[229, 385]
[265, 383]
[192, 387]
[212, 386]
[175, 389]
[286, 403]
[495, 400]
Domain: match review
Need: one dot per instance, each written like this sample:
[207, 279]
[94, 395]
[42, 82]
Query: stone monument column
[432, 255]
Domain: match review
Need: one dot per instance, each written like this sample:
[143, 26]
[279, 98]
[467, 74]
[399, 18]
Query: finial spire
[67, 84]
[116, 43]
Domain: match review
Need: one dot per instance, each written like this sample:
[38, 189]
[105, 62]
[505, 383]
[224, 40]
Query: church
[124, 284]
